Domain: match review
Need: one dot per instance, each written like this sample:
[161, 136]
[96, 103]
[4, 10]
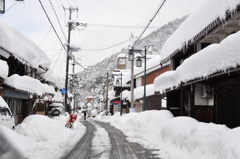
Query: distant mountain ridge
[94, 78]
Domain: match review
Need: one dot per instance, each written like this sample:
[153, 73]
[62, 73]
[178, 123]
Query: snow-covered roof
[25, 83]
[88, 97]
[139, 92]
[136, 55]
[214, 58]
[50, 76]
[207, 12]
[111, 94]
[21, 47]
[152, 65]
[57, 97]
[29, 84]
[48, 89]
[3, 69]
[126, 74]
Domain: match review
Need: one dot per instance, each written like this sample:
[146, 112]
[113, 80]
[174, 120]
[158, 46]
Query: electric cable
[44, 38]
[10, 7]
[160, 6]
[52, 25]
[55, 62]
[57, 19]
[121, 10]
[116, 26]
[106, 47]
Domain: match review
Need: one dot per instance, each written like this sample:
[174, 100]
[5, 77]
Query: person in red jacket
[72, 118]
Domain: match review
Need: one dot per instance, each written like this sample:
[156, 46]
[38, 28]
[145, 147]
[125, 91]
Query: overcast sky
[100, 15]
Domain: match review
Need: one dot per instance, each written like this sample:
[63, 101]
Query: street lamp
[139, 64]
[117, 83]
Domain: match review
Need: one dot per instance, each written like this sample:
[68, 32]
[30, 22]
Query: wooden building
[211, 96]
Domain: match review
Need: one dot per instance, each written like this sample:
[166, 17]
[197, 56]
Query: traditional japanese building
[204, 80]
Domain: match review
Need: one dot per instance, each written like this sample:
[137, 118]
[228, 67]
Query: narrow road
[83, 148]
[120, 147]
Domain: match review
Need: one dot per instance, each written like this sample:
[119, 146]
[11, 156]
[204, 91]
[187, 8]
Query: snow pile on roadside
[3, 103]
[178, 137]
[41, 137]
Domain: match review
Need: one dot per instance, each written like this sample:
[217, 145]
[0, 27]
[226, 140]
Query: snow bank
[178, 137]
[207, 12]
[21, 47]
[214, 58]
[3, 103]
[35, 126]
[3, 69]
[42, 137]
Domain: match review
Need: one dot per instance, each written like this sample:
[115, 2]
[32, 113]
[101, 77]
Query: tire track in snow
[101, 145]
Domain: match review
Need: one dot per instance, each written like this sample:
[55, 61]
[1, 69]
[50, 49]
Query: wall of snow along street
[207, 12]
[3, 69]
[39, 136]
[178, 137]
[214, 58]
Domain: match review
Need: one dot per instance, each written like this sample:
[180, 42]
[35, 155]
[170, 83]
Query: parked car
[55, 109]
[6, 117]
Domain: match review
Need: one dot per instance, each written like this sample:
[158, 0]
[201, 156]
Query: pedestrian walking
[85, 114]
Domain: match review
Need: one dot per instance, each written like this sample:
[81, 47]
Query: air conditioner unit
[205, 91]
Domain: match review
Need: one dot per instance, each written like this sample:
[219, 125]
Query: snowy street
[150, 134]
[104, 141]
[120, 79]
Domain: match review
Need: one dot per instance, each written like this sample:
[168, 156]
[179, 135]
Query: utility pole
[132, 83]
[74, 91]
[71, 9]
[107, 94]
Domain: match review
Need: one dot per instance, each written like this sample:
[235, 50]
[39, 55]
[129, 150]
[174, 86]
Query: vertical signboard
[2, 6]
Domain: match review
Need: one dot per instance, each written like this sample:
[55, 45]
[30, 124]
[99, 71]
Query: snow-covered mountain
[94, 79]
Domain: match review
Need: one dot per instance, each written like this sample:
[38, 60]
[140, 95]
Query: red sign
[116, 102]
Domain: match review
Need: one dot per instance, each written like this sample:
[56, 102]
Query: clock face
[2, 6]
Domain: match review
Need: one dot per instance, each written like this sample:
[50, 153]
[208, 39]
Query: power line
[58, 19]
[10, 7]
[118, 26]
[105, 48]
[52, 24]
[121, 10]
[44, 38]
[55, 62]
[160, 6]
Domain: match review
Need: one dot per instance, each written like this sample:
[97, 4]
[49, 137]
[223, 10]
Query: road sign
[63, 91]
